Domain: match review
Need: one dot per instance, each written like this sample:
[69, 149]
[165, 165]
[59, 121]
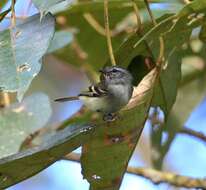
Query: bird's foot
[110, 117]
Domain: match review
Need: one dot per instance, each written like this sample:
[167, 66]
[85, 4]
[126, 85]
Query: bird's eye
[114, 70]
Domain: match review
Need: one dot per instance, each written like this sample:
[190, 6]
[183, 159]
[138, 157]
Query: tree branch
[158, 177]
[155, 176]
[193, 133]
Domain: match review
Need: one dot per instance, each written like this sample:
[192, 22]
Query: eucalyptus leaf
[21, 50]
[60, 40]
[4, 13]
[21, 119]
[45, 5]
[176, 30]
[20, 166]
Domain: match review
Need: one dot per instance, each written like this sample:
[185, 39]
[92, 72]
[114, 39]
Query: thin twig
[140, 28]
[99, 28]
[193, 133]
[107, 30]
[13, 15]
[94, 23]
[156, 176]
[161, 53]
[136, 11]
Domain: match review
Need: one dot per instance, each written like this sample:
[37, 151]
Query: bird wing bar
[94, 91]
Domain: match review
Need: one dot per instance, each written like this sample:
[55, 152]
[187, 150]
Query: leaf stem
[136, 11]
[13, 15]
[108, 35]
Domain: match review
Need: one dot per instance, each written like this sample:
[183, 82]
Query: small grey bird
[111, 94]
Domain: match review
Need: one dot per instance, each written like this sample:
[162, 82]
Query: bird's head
[115, 75]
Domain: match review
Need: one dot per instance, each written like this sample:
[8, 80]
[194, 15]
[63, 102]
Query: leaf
[21, 50]
[45, 5]
[20, 166]
[105, 157]
[176, 30]
[4, 13]
[60, 40]
[190, 94]
[166, 91]
[21, 119]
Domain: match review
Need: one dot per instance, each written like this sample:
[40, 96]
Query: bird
[112, 93]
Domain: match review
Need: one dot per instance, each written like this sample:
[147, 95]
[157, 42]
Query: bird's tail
[65, 99]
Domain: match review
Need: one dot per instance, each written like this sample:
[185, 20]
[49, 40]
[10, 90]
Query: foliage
[80, 40]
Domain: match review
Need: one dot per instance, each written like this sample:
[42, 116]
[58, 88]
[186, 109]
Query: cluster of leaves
[107, 147]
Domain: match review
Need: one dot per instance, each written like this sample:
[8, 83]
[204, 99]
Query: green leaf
[176, 30]
[3, 14]
[21, 50]
[106, 155]
[21, 119]
[190, 94]
[17, 167]
[166, 91]
[60, 40]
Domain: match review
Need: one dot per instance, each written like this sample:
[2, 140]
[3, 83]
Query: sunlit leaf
[21, 119]
[21, 50]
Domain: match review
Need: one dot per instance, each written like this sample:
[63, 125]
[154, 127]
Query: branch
[94, 23]
[155, 176]
[108, 35]
[136, 11]
[193, 133]
[158, 177]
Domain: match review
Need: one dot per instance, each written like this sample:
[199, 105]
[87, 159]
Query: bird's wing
[95, 91]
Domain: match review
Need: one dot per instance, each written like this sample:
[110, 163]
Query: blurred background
[59, 78]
